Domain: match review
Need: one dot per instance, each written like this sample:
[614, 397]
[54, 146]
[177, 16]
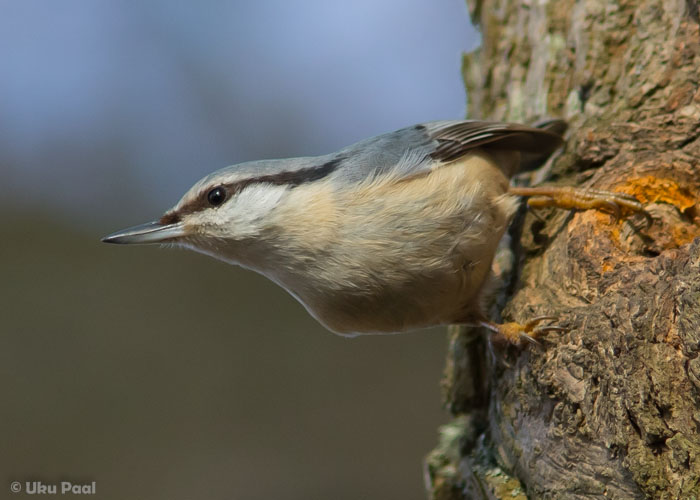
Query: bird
[391, 234]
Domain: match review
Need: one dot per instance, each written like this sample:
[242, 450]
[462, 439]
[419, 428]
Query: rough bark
[611, 407]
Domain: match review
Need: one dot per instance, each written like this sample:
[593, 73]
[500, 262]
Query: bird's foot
[514, 333]
[570, 198]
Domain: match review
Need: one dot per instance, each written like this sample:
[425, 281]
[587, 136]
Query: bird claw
[514, 332]
[570, 198]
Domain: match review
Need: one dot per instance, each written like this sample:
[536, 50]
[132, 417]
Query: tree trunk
[611, 407]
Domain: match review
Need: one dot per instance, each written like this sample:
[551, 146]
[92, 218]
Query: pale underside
[391, 254]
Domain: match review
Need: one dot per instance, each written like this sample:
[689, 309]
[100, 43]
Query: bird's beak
[151, 232]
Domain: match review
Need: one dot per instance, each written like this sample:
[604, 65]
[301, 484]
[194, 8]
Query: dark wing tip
[553, 125]
[458, 139]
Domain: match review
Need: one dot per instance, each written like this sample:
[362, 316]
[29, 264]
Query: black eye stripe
[291, 178]
[286, 178]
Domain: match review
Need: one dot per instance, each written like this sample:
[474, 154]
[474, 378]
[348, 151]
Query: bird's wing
[418, 149]
[458, 138]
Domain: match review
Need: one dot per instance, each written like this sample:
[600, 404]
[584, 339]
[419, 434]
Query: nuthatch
[394, 233]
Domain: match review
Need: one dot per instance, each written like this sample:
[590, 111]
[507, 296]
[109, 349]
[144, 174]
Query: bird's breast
[393, 254]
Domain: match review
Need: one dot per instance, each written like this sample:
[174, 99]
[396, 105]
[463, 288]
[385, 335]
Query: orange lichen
[667, 233]
[606, 267]
[682, 234]
[650, 189]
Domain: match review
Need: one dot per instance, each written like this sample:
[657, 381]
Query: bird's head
[227, 212]
[222, 212]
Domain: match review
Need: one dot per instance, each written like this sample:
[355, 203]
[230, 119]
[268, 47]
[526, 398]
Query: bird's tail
[531, 160]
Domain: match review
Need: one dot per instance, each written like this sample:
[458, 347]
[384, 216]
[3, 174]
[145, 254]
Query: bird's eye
[216, 196]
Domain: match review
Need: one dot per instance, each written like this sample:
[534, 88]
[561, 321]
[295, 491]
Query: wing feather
[458, 138]
[421, 148]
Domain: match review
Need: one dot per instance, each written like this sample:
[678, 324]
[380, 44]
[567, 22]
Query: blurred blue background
[160, 373]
